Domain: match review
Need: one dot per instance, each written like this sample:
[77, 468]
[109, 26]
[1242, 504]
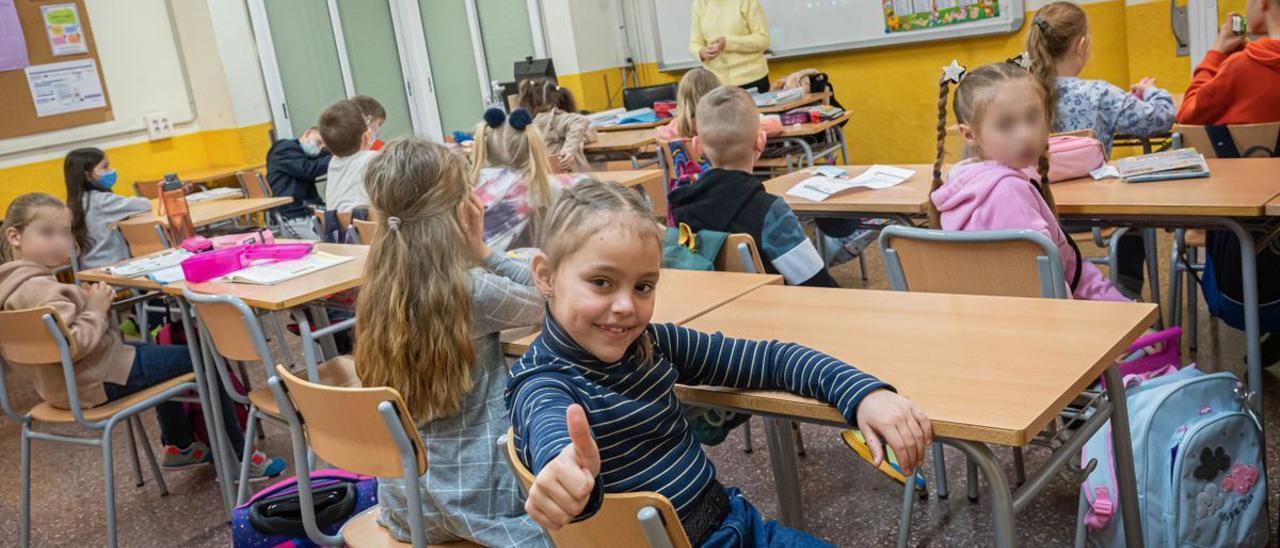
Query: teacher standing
[730, 37]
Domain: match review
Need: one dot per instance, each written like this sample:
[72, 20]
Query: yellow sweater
[746, 36]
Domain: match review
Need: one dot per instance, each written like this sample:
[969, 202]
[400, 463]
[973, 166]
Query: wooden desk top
[636, 125]
[908, 198]
[684, 295]
[211, 211]
[1273, 208]
[217, 172]
[1234, 188]
[989, 369]
[806, 99]
[648, 179]
[805, 130]
[627, 140]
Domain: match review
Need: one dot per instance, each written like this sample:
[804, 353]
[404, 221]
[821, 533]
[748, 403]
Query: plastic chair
[645, 97]
[235, 335]
[38, 336]
[1013, 263]
[366, 232]
[739, 254]
[253, 184]
[625, 520]
[344, 225]
[339, 426]
[145, 239]
[147, 189]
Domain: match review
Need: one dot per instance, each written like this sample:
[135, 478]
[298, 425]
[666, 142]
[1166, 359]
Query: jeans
[154, 364]
[744, 527]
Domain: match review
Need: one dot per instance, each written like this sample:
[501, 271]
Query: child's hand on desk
[886, 417]
[1228, 41]
[561, 490]
[99, 296]
[1140, 89]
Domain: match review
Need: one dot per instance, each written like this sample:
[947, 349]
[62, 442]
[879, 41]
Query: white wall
[239, 61]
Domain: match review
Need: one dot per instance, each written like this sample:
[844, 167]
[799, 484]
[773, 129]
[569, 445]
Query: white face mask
[311, 148]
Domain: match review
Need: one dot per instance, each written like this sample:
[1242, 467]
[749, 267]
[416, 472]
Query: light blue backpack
[1198, 457]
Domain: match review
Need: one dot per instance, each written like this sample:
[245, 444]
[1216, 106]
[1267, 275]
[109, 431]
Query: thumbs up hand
[561, 490]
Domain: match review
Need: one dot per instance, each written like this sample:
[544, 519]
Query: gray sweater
[106, 245]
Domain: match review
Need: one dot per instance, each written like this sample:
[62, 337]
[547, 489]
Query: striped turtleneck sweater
[645, 443]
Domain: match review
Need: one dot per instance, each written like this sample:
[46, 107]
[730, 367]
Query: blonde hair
[728, 124]
[521, 149]
[973, 94]
[23, 211]
[693, 86]
[1053, 30]
[414, 333]
[585, 209]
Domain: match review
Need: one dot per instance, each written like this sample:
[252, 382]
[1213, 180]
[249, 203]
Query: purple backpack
[273, 517]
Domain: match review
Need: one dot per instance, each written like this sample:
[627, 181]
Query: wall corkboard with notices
[65, 66]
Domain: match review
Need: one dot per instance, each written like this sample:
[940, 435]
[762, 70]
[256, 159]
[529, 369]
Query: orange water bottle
[173, 198]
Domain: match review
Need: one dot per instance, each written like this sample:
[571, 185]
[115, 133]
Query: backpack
[684, 249]
[273, 517]
[1197, 452]
[821, 82]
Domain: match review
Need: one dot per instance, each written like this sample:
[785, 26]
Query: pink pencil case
[198, 244]
[207, 266]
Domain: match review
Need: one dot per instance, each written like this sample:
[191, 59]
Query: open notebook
[274, 273]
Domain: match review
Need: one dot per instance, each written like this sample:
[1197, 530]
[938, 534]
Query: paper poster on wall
[69, 86]
[62, 23]
[908, 15]
[13, 44]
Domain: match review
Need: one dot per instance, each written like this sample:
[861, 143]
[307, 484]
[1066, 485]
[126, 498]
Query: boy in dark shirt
[292, 168]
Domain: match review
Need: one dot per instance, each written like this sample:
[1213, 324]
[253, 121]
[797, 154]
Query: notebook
[274, 273]
[822, 185]
[1183, 163]
[772, 98]
[162, 260]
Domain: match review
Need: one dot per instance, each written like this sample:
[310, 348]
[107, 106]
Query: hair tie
[954, 72]
[495, 117]
[393, 223]
[1040, 23]
[1022, 59]
[520, 119]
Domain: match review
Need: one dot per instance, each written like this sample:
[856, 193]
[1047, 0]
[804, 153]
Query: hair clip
[495, 117]
[1022, 59]
[393, 223]
[954, 72]
[1040, 23]
[520, 119]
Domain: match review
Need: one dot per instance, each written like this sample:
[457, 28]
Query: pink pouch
[1072, 157]
[200, 244]
[207, 266]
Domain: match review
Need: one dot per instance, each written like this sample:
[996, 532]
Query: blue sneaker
[262, 467]
[175, 458]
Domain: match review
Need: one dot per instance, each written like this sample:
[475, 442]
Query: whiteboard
[806, 27]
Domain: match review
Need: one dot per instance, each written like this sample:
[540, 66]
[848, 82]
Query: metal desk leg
[1121, 443]
[329, 348]
[782, 458]
[635, 160]
[1153, 271]
[203, 389]
[1252, 331]
[1001, 499]
[908, 499]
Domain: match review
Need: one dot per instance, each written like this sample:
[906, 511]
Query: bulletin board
[16, 102]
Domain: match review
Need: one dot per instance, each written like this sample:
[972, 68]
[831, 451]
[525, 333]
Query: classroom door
[299, 57]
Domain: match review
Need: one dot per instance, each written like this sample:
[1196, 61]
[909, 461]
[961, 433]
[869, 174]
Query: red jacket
[1241, 88]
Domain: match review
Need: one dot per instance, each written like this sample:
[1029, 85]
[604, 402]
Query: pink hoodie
[988, 195]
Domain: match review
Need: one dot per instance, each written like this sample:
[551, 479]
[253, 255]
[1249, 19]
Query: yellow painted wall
[893, 91]
[148, 160]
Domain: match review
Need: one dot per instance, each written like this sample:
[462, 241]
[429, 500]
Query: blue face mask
[108, 179]
[310, 148]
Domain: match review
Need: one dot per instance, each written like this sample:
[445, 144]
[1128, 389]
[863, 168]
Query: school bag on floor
[1197, 453]
[273, 517]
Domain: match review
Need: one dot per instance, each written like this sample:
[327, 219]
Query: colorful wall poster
[69, 86]
[908, 15]
[13, 44]
[62, 23]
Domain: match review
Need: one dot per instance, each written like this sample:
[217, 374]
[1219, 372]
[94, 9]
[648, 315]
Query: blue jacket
[290, 172]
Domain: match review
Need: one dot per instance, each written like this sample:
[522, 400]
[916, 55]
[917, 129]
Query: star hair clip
[1022, 59]
[954, 72]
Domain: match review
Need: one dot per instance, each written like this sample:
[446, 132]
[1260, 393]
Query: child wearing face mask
[592, 405]
[1000, 108]
[293, 165]
[94, 207]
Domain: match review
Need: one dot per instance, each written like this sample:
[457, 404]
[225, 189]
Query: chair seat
[264, 401]
[363, 531]
[339, 371]
[48, 413]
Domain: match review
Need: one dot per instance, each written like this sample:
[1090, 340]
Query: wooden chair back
[25, 339]
[253, 185]
[143, 238]
[367, 231]
[345, 430]
[730, 259]
[615, 524]
[147, 189]
[232, 333]
[1250, 140]
[1008, 268]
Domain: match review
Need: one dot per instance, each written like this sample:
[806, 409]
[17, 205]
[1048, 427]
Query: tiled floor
[846, 502]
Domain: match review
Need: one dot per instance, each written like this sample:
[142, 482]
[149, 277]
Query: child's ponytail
[952, 74]
[1052, 32]
[514, 142]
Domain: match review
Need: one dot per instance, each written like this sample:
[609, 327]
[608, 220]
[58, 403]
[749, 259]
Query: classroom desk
[898, 202]
[651, 180]
[208, 212]
[1237, 190]
[214, 173]
[963, 359]
[834, 139]
[806, 99]
[635, 125]
[684, 295]
[1273, 208]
